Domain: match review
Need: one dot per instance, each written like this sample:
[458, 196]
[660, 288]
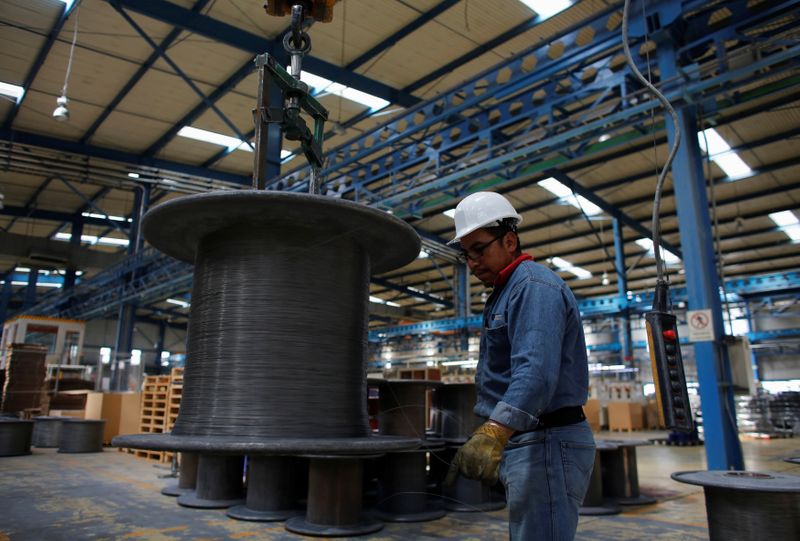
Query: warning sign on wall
[701, 325]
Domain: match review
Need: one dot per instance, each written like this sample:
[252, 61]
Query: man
[532, 379]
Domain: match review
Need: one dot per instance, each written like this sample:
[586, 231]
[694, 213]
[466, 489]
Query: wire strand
[71, 51]
[673, 149]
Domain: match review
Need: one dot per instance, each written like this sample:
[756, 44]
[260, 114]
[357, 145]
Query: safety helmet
[482, 209]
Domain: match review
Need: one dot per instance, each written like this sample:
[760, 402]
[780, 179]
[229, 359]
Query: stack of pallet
[24, 379]
[173, 404]
[152, 419]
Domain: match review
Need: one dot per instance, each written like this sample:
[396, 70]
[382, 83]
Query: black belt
[560, 417]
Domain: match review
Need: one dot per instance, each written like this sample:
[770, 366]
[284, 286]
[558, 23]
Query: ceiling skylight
[326, 86]
[547, 8]
[719, 151]
[12, 91]
[565, 194]
[179, 302]
[450, 213]
[788, 223]
[106, 217]
[214, 138]
[381, 301]
[668, 256]
[564, 265]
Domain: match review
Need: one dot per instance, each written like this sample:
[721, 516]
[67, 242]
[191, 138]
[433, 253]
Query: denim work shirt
[532, 352]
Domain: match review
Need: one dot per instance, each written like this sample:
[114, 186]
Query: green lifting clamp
[296, 97]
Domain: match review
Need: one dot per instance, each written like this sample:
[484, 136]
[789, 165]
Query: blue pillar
[30, 289]
[723, 450]
[622, 293]
[75, 241]
[126, 316]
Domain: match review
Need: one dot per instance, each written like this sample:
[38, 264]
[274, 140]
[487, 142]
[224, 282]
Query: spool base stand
[334, 500]
[402, 488]
[593, 503]
[621, 475]
[270, 480]
[187, 477]
[219, 483]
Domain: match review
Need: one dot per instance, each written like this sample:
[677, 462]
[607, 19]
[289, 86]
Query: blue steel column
[30, 289]
[126, 317]
[622, 293]
[723, 450]
[5, 297]
[75, 242]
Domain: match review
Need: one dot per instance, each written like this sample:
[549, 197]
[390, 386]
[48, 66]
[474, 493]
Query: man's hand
[480, 457]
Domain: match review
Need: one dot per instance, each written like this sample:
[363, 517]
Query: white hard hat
[482, 209]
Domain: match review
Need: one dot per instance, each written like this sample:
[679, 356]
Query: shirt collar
[506, 273]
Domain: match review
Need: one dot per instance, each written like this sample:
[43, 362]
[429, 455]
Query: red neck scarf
[506, 273]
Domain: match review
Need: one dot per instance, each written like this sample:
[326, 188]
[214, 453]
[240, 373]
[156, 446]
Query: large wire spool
[594, 502]
[187, 476]
[334, 507]
[271, 482]
[278, 323]
[47, 431]
[15, 436]
[82, 436]
[748, 505]
[220, 483]
[453, 404]
[621, 475]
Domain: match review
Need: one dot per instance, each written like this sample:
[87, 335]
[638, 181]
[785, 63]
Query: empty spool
[219, 483]
[594, 503]
[620, 473]
[187, 476]
[335, 485]
[271, 482]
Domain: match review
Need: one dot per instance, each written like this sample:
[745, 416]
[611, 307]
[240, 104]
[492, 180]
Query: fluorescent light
[232, 143]
[565, 193]
[92, 239]
[564, 265]
[450, 213]
[285, 154]
[22, 269]
[381, 301]
[38, 284]
[387, 366]
[668, 256]
[547, 8]
[133, 175]
[719, 151]
[12, 91]
[182, 304]
[105, 217]
[323, 85]
[788, 223]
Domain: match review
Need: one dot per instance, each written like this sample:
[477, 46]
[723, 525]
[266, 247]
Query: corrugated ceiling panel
[131, 133]
[19, 50]
[206, 61]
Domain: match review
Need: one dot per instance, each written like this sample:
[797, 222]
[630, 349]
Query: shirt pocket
[498, 348]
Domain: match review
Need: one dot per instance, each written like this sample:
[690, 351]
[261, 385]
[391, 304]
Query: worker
[532, 378]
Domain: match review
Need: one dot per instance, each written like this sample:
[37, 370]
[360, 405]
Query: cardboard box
[124, 409]
[75, 414]
[592, 411]
[625, 416]
[652, 420]
[120, 410]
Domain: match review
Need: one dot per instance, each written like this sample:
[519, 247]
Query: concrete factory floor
[112, 495]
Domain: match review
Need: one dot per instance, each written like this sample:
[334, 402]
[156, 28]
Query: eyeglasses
[476, 252]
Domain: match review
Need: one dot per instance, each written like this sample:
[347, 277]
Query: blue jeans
[546, 474]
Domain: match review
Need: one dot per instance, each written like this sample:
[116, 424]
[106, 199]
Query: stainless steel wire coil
[748, 505]
[47, 431]
[81, 436]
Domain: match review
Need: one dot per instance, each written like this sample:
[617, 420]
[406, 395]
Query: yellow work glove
[480, 457]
